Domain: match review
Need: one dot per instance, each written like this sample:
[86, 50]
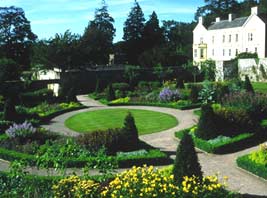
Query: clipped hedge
[153, 157]
[232, 145]
[247, 164]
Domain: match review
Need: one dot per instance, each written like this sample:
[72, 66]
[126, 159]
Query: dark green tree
[133, 33]
[207, 128]
[110, 93]
[153, 33]
[98, 37]
[186, 161]
[9, 72]
[16, 37]
[131, 73]
[131, 130]
[248, 86]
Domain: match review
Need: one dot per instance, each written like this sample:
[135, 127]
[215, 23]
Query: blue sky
[49, 17]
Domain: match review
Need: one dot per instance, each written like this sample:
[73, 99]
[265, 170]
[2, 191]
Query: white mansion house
[224, 39]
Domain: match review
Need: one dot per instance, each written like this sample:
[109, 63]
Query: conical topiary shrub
[10, 113]
[186, 162]
[248, 86]
[207, 123]
[131, 130]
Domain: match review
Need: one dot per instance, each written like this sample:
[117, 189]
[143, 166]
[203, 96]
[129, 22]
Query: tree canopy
[16, 36]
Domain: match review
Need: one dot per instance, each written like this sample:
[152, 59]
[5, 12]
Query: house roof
[224, 24]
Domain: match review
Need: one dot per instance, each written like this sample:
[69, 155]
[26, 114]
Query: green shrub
[207, 128]
[246, 163]
[10, 113]
[186, 161]
[121, 86]
[131, 130]
[194, 94]
[36, 96]
[112, 139]
[248, 86]
[121, 100]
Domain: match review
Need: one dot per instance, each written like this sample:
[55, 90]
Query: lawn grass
[146, 121]
[260, 87]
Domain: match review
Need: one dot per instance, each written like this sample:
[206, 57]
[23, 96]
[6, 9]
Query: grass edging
[218, 149]
[185, 107]
[251, 167]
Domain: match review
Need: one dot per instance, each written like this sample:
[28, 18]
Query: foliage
[141, 182]
[96, 42]
[168, 95]
[246, 163]
[9, 70]
[16, 37]
[110, 93]
[10, 113]
[131, 129]
[207, 93]
[245, 55]
[132, 33]
[73, 186]
[120, 100]
[220, 144]
[131, 73]
[248, 85]
[260, 156]
[20, 130]
[186, 161]
[194, 94]
[207, 128]
[208, 67]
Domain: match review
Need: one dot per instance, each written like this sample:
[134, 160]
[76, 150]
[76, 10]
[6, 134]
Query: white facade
[224, 39]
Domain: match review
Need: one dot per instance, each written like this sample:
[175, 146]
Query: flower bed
[220, 144]
[255, 162]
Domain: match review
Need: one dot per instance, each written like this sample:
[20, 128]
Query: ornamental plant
[74, 187]
[141, 182]
[131, 129]
[186, 161]
[248, 85]
[20, 130]
[169, 95]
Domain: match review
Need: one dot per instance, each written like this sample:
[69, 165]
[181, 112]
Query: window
[250, 37]
[201, 53]
[223, 38]
[256, 50]
[195, 53]
[201, 39]
[230, 52]
[236, 38]
[223, 52]
[246, 49]
[212, 52]
[212, 39]
[236, 52]
[230, 38]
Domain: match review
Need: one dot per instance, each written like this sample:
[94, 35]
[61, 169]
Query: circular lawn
[146, 121]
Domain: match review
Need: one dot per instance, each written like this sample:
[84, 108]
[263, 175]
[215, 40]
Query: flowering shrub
[208, 187]
[20, 130]
[74, 187]
[169, 95]
[260, 156]
[141, 182]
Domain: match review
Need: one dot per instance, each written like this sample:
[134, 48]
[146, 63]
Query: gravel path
[224, 165]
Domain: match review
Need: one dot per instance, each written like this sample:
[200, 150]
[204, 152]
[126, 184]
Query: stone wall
[256, 69]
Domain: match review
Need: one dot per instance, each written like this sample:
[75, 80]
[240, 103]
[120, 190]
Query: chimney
[200, 20]
[230, 17]
[254, 10]
[218, 19]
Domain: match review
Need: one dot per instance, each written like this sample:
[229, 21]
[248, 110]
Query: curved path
[224, 165]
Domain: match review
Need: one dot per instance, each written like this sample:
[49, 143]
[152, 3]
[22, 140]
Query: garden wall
[256, 69]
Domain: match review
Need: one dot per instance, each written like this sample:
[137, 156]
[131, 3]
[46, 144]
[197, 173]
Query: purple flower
[20, 130]
[168, 95]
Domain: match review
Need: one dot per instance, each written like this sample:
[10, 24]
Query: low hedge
[153, 157]
[168, 105]
[232, 145]
[246, 163]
